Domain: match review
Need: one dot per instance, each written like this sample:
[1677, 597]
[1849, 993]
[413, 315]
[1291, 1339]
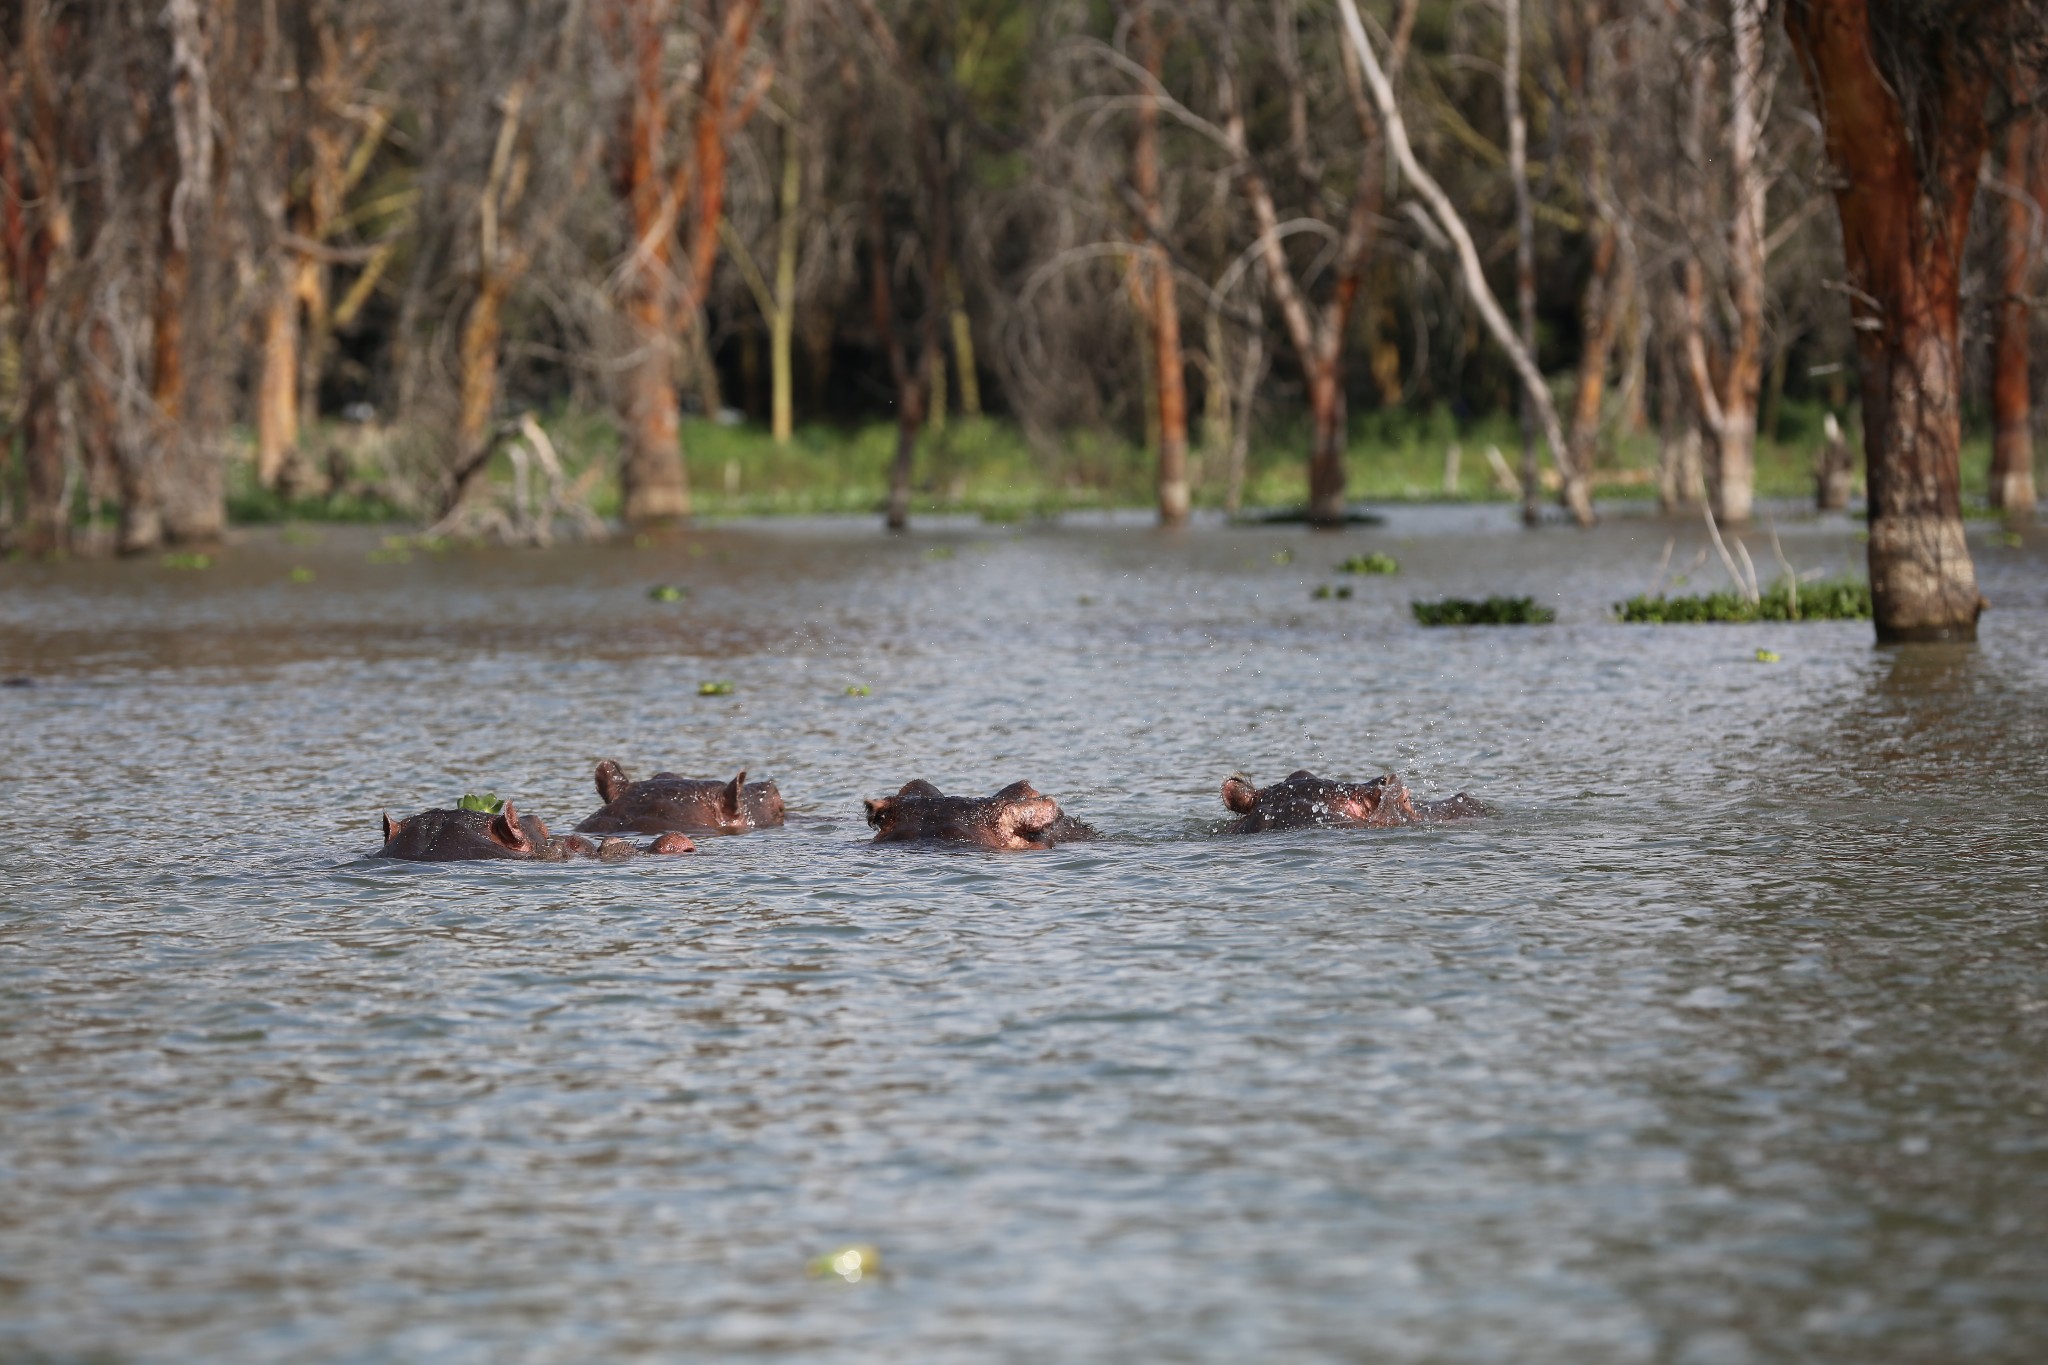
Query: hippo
[1015, 817]
[667, 803]
[452, 836]
[1305, 799]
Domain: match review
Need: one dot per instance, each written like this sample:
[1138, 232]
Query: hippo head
[1016, 817]
[442, 836]
[1305, 799]
[669, 802]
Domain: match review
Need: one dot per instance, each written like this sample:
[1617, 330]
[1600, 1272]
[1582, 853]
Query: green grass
[1490, 611]
[991, 468]
[1839, 599]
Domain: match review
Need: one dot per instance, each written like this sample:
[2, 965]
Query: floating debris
[1373, 563]
[1490, 611]
[851, 1264]
[714, 689]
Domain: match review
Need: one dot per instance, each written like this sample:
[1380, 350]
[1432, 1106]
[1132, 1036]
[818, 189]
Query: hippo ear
[611, 781]
[919, 787]
[390, 827]
[505, 829]
[878, 809]
[1018, 791]
[1239, 795]
[1302, 775]
[729, 799]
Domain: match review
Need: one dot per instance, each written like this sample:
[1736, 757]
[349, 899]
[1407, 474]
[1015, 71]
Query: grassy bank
[990, 468]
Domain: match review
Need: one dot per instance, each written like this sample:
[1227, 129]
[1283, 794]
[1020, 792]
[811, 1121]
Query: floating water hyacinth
[1767, 656]
[714, 689]
[859, 690]
[486, 803]
[851, 1264]
[668, 592]
[1372, 563]
[1491, 611]
[1324, 590]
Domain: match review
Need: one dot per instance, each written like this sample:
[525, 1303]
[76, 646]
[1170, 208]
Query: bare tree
[2020, 232]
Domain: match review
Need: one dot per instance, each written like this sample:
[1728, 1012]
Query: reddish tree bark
[1162, 302]
[1904, 215]
[2012, 440]
[39, 239]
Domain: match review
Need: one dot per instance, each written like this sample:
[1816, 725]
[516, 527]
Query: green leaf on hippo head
[485, 804]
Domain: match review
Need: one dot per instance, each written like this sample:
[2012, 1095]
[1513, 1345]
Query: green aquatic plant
[1838, 599]
[859, 690]
[1375, 563]
[1324, 591]
[668, 592]
[188, 561]
[714, 689]
[484, 803]
[301, 574]
[1490, 611]
[938, 553]
[1283, 557]
[1767, 656]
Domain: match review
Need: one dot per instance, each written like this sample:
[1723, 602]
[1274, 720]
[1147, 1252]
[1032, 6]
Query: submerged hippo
[667, 803]
[1015, 817]
[1305, 799]
[453, 836]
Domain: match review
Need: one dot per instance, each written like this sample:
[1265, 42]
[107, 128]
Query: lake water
[1726, 1041]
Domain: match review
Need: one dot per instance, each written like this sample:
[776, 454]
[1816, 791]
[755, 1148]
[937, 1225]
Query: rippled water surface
[1727, 1040]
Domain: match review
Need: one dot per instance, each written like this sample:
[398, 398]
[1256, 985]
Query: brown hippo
[1015, 817]
[1305, 799]
[667, 803]
[451, 836]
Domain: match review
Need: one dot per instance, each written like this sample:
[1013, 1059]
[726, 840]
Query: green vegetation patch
[483, 803]
[860, 690]
[714, 689]
[1324, 591]
[188, 561]
[668, 592]
[1837, 599]
[1491, 611]
[1373, 563]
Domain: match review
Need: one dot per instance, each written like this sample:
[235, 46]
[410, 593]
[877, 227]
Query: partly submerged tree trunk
[1904, 218]
[1600, 314]
[1525, 246]
[1734, 464]
[2012, 440]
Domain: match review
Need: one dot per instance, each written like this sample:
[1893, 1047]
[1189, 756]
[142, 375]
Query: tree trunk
[909, 421]
[1599, 313]
[477, 387]
[277, 388]
[1904, 219]
[1328, 438]
[782, 322]
[46, 528]
[1525, 247]
[1155, 285]
[1734, 469]
[652, 483]
[2012, 441]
